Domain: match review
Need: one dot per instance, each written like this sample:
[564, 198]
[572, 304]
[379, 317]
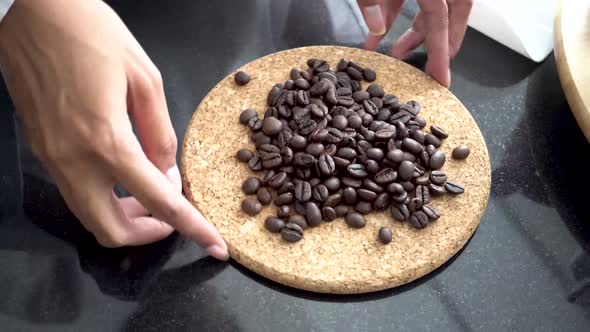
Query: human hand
[74, 72]
[440, 25]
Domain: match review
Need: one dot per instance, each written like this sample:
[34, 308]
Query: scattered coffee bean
[264, 196]
[385, 235]
[430, 212]
[299, 220]
[438, 177]
[375, 90]
[251, 206]
[251, 185]
[436, 190]
[274, 224]
[400, 212]
[355, 220]
[369, 75]
[461, 152]
[328, 214]
[454, 188]
[241, 78]
[303, 191]
[292, 232]
[284, 199]
[439, 132]
[284, 211]
[419, 219]
[437, 160]
[244, 155]
[341, 210]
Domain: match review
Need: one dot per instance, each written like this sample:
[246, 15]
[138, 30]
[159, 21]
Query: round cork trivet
[332, 258]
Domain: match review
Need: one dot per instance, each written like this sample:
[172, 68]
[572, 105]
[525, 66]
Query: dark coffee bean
[303, 159]
[400, 212]
[372, 166]
[341, 162]
[349, 195]
[350, 182]
[284, 199]
[357, 171]
[370, 108]
[339, 122]
[424, 158]
[248, 114]
[342, 65]
[334, 136]
[287, 155]
[273, 95]
[395, 155]
[347, 153]
[302, 98]
[299, 208]
[313, 214]
[385, 134]
[361, 96]
[298, 141]
[385, 235]
[430, 139]
[422, 180]
[412, 146]
[301, 83]
[295, 74]
[386, 176]
[292, 233]
[314, 182]
[312, 62]
[375, 154]
[303, 173]
[274, 224]
[299, 219]
[284, 138]
[300, 113]
[418, 171]
[418, 220]
[389, 100]
[286, 187]
[332, 183]
[306, 75]
[414, 205]
[320, 193]
[251, 206]
[331, 96]
[420, 121]
[255, 124]
[406, 170]
[430, 149]
[354, 73]
[315, 149]
[319, 111]
[382, 201]
[318, 135]
[331, 149]
[369, 75]
[271, 160]
[355, 122]
[431, 213]
[437, 160]
[255, 163]
[244, 155]
[454, 188]
[461, 152]
[251, 185]
[418, 136]
[345, 101]
[330, 76]
[366, 194]
[438, 177]
[367, 119]
[320, 88]
[408, 186]
[438, 132]
[363, 207]
[303, 191]
[306, 126]
[395, 188]
[345, 92]
[371, 185]
[375, 90]
[271, 113]
[328, 214]
[333, 200]
[378, 102]
[400, 198]
[436, 190]
[355, 219]
[341, 210]
[326, 164]
[384, 114]
[284, 211]
[241, 78]
[399, 117]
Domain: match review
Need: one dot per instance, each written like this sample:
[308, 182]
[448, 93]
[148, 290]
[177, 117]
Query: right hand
[75, 74]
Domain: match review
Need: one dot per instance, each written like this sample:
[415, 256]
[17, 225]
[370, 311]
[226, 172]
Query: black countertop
[527, 266]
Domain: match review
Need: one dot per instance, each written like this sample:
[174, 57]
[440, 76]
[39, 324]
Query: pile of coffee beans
[329, 149]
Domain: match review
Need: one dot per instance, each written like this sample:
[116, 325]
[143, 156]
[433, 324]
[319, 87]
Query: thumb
[373, 15]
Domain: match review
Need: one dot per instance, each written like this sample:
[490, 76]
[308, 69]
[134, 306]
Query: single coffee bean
[361, 96]
[333, 200]
[438, 132]
[430, 139]
[430, 212]
[306, 127]
[366, 194]
[314, 182]
[418, 136]
[295, 74]
[438, 177]
[331, 96]
[284, 138]
[385, 134]
[284, 199]
[382, 201]
[369, 75]
[371, 185]
[268, 176]
[319, 111]
[345, 101]
[299, 207]
[341, 210]
[313, 214]
[315, 149]
[377, 101]
[292, 233]
[342, 65]
[351, 182]
[385, 235]
[354, 73]
[320, 193]
[251, 206]
[372, 166]
[454, 188]
[375, 90]
[418, 171]
[400, 198]
[400, 212]
[370, 108]
[349, 195]
[414, 205]
[283, 211]
[274, 224]
[344, 92]
[251, 185]
[395, 155]
[355, 122]
[339, 122]
[271, 160]
[287, 155]
[386, 176]
[328, 214]
[288, 186]
[436, 190]
[355, 219]
[341, 162]
[357, 171]
[334, 136]
[241, 78]
[430, 149]
[420, 121]
[302, 83]
[408, 186]
[384, 114]
[347, 153]
[299, 219]
[412, 146]
[422, 180]
[437, 160]
[305, 160]
[406, 170]
[389, 100]
[395, 188]
[248, 114]
[461, 152]
[303, 191]
[363, 207]
[255, 163]
[332, 183]
[255, 124]
[298, 141]
[244, 155]
[419, 220]
[331, 149]
[326, 164]
[424, 158]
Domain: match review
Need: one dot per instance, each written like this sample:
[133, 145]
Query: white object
[526, 26]
[4, 6]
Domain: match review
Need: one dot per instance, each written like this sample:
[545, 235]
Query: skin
[76, 76]
[440, 25]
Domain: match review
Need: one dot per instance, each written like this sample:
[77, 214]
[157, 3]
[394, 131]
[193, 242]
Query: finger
[373, 15]
[133, 208]
[408, 42]
[158, 195]
[436, 22]
[390, 9]
[458, 16]
[146, 103]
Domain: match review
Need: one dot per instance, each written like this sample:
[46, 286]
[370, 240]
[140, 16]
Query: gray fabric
[4, 6]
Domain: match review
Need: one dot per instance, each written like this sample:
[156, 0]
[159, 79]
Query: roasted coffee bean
[330, 76]
[370, 108]
[320, 87]
[438, 177]
[255, 163]
[247, 115]
[385, 235]
[332, 183]
[313, 214]
[301, 113]
[326, 164]
[284, 138]
[437, 160]
[454, 188]
[303, 159]
[295, 74]
[402, 131]
[299, 219]
[299, 208]
[355, 219]
[241, 78]
[334, 136]
[333, 200]
[351, 182]
[366, 194]
[395, 155]
[400, 212]
[357, 171]
[420, 121]
[430, 212]
[400, 198]
[371, 185]
[298, 141]
[251, 206]
[400, 117]
[251, 185]
[288, 186]
[372, 166]
[339, 122]
[274, 224]
[430, 149]
[314, 182]
[307, 126]
[377, 101]
[320, 193]
[369, 75]
[361, 96]
[385, 134]
[430, 139]
[345, 101]
[283, 211]
[331, 149]
[367, 119]
[303, 191]
[347, 153]
[438, 132]
[319, 111]
[255, 124]
[292, 233]
[354, 73]
[461, 152]
[331, 96]
[395, 188]
[341, 162]
[355, 122]
[422, 180]
[315, 149]
[363, 207]
[418, 136]
[344, 92]
[375, 90]
[271, 160]
[244, 155]
[318, 135]
[341, 210]
[412, 146]
[386, 176]
[424, 158]
[382, 201]
[349, 195]
[436, 190]
[408, 186]
[302, 83]
[328, 214]
[414, 205]
[419, 219]
[284, 199]
[271, 113]
[384, 114]
[406, 170]
[273, 95]
[287, 155]
[389, 100]
[418, 171]
[342, 65]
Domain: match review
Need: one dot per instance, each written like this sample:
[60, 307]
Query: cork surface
[332, 258]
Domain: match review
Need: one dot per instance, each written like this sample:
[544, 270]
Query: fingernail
[173, 174]
[218, 252]
[374, 19]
